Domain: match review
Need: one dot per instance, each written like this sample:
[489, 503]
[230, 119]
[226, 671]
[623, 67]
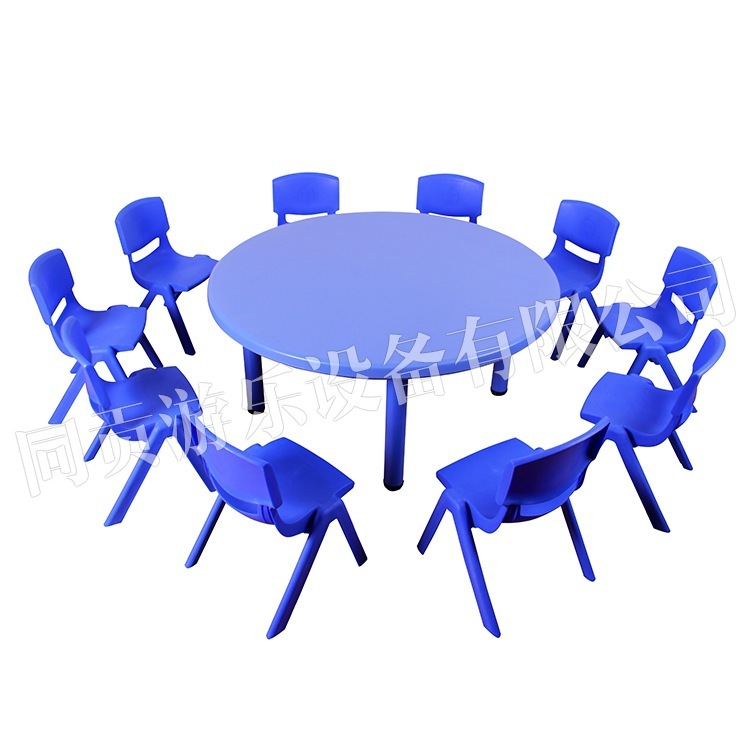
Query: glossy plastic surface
[370, 281]
[305, 194]
[592, 229]
[662, 328]
[507, 483]
[641, 414]
[149, 406]
[163, 272]
[117, 329]
[283, 484]
[450, 195]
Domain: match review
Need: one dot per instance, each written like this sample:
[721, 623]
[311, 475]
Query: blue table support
[256, 401]
[500, 371]
[395, 432]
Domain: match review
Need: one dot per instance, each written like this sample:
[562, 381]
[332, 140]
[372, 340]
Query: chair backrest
[141, 222]
[305, 194]
[713, 347]
[450, 195]
[692, 277]
[51, 283]
[551, 476]
[586, 225]
[245, 482]
[74, 340]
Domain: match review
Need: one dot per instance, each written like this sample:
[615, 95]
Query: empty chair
[507, 483]
[117, 329]
[285, 485]
[450, 195]
[163, 272]
[149, 406]
[641, 414]
[305, 194]
[591, 228]
[663, 327]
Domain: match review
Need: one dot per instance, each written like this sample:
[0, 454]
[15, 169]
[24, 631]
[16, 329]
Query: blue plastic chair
[163, 272]
[117, 329]
[641, 414]
[149, 406]
[507, 483]
[305, 194]
[450, 195]
[656, 331]
[285, 485]
[592, 229]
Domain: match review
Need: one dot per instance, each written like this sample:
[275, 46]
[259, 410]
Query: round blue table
[390, 296]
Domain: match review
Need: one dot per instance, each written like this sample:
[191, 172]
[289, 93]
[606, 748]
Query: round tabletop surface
[383, 294]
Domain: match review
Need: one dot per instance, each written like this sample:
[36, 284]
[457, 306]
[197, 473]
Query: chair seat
[169, 268]
[638, 327]
[574, 274]
[632, 403]
[475, 478]
[148, 396]
[307, 482]
[118, 328]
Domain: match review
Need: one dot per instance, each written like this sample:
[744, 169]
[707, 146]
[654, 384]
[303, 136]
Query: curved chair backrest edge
[141, 222]
[708, 355]
[586, 225]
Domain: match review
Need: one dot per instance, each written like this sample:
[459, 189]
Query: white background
[108, 641]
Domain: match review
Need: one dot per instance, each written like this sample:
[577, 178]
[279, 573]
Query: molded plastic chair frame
[691, 277]
[52, 284]
[594, 230]
[248, 483]
[450, 195]
[521, 465]
[305, 194]
[668, 409]
[121, 404]
[138, 224]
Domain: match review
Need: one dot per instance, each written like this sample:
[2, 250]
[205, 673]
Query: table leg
[254, 382]
[500, 371]
[395, 432]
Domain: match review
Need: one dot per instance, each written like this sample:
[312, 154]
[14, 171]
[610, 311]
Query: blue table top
[304, 293]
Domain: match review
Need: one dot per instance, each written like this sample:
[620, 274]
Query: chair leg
[670, 372]
[297, 581]
[208, 527]
[678, 448]
[96, 443]
[114, 366]
[135, 480]
[476, 576]
[641, 484]
[595, 339]
[595, 309]
[350, 533]
[640, 361]
[566, 328]
[68, 398]
[575, 535]
[148, 299]
[432, 526]
[150, 353]
[179, 324]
